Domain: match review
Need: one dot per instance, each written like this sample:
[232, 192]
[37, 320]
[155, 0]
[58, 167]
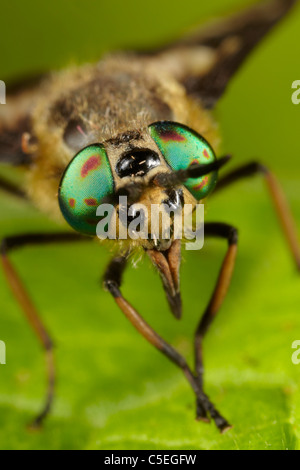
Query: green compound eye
[86, 181]
[182, 147]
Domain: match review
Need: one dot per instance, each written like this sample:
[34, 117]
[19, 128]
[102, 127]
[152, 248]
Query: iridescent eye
[86, 181]
[182, 147]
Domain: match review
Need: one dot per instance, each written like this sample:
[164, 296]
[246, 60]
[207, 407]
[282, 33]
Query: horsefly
[136, 126]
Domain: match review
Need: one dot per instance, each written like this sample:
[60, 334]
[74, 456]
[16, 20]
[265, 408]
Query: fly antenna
[169, 180]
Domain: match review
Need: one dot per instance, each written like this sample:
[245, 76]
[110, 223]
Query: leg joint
[255, 167]
[113, 275]
[233, 236]
[221, 230]
[112, 287]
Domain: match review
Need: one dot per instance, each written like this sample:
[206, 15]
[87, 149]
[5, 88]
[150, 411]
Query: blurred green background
[114, 390]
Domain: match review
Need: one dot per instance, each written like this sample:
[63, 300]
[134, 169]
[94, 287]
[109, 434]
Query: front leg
[229, 233]
[112, 281]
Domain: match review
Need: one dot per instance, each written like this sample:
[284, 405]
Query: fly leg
[278, 199]
[112, 281]
[9, 244]
[11, 188]
[229, 233]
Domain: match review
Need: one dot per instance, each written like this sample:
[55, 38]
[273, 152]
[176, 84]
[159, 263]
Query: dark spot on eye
[172, 135]
[137, 162]
[91, 164]
[205, 153]
[72, 202]
[75, 134]
[201, 185]
[91, 201]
